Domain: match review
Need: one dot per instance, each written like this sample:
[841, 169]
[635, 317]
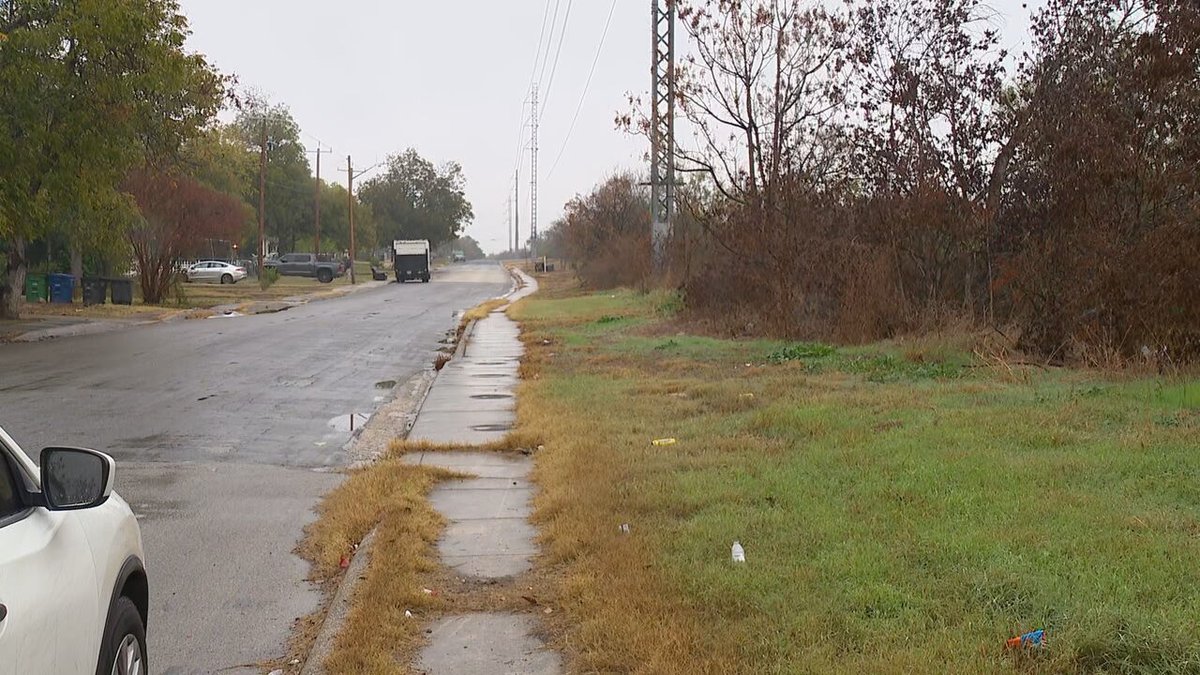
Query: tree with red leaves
[178, 214]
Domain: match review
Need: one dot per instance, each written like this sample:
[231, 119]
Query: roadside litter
[624, 528]
[739, 553]
[663, 441]
[1034, 638]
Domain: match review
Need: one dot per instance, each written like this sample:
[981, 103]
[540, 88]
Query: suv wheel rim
[128, 660]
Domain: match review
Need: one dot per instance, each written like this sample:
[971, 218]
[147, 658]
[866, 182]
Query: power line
[586, 85]
[541, 38]
[557, 52]
[521, 133]
[546, 56]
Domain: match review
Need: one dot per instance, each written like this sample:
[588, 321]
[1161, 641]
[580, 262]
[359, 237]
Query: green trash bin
[36, 288]
[122, 291]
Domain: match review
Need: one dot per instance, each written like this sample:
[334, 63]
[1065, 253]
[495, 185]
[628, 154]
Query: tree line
[112, 156]
[887, 167]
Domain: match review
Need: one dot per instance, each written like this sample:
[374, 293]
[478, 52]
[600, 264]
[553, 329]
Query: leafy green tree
[289, 202]
[220, 159]
[90, 89]
[366, 227]
[335, 228]
[416, 200]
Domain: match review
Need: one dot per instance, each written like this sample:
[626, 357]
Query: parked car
[216, 272]
[306, 265]
[73, 588]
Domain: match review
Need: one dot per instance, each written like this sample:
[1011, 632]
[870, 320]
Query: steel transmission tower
[533, 180]
[662, 127]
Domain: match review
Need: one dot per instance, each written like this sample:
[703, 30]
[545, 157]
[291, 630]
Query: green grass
[898, 515]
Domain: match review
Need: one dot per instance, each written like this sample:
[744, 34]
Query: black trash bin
[94, 290]
[122, 291]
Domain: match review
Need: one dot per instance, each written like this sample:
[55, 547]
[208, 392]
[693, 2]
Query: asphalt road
[226, 432]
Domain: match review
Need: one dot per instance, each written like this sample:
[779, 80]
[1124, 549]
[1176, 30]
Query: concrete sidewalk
[472, 401]
[489, 535]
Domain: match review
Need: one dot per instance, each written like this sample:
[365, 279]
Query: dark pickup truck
[305, 265]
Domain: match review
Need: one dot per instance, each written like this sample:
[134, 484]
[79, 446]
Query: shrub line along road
[226, 431]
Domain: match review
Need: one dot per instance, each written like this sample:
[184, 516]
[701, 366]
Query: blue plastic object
[62, 287]
[1033, 638]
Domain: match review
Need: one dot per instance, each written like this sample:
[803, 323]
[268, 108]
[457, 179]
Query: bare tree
[760, 90]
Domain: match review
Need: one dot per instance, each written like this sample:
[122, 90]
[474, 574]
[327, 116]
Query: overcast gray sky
[371, 77]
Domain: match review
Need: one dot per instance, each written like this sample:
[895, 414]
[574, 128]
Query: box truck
[410, 257]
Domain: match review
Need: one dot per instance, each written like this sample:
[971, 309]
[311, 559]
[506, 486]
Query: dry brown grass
[377, 637]
[105, 311]
[480, 311]
[523, 441]
[248, 290]
[619, 614]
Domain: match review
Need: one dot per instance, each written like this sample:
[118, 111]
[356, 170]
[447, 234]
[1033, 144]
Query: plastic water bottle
[739, 553]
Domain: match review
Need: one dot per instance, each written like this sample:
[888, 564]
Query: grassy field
[904, 507]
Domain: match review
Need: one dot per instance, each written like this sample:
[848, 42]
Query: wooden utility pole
[262, 198]
[317, 207]
[317, 199]
[350, 208]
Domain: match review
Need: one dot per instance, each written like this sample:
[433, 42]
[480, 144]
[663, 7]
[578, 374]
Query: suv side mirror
[76, 478]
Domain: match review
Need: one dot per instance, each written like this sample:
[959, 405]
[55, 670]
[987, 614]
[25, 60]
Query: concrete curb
[339, 608]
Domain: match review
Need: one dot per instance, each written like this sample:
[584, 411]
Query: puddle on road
[385, 384]
[348, 422]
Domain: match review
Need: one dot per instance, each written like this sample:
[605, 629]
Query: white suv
[73, 591]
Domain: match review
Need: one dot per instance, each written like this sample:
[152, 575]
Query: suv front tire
[123, 651]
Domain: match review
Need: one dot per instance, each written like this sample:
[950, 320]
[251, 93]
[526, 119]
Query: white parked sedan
[216, 272]
[73, 590]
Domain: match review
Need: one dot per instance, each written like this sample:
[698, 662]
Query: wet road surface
[226, 431]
